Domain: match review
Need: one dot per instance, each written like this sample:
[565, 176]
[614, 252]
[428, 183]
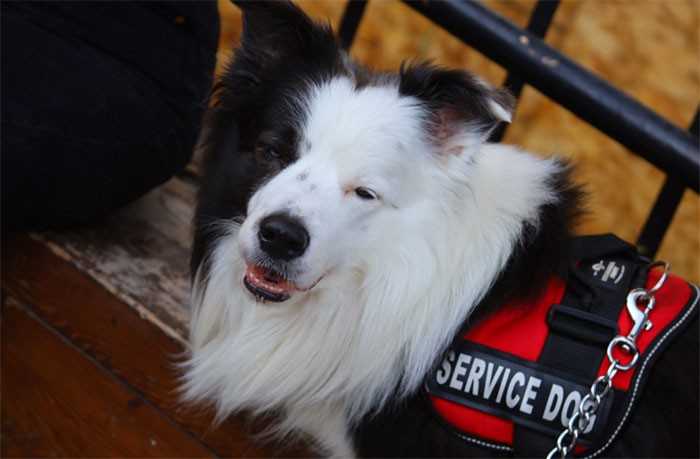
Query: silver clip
[640, 318]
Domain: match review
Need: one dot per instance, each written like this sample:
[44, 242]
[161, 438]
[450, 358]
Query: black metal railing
[529, 60]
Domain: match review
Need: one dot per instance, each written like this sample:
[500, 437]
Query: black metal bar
[660, 217]
[638, 128]
[665, 207]
[541, 17]
[694, 128]
[354, 10]
[540, 20]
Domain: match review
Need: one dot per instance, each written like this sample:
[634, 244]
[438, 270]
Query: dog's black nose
[282, 237]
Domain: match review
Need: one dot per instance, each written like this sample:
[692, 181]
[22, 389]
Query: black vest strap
[604, 269]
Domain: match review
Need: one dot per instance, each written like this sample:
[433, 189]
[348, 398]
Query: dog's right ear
[279, 30]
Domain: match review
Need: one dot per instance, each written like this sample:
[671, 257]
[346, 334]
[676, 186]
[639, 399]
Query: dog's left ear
[460, 104]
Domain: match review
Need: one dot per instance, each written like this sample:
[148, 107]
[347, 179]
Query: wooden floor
[84, 375]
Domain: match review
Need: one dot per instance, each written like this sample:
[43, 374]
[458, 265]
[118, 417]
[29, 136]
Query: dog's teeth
[268, 282]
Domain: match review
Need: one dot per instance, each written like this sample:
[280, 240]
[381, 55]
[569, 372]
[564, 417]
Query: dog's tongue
[266, 281]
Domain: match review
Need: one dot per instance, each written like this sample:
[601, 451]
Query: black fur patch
[256, 109]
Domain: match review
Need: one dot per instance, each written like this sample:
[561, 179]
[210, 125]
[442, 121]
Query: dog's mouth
[267, 284]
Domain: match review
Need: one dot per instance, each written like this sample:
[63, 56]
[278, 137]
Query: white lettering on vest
[512, 400]
[491, 380]
[570, 406]
[460, 370]
[499, 397]
[554, 401]
[591, 423]
[443, 374]
[475, 373]
[530, 393]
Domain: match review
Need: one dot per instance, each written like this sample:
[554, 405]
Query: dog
[348, 223]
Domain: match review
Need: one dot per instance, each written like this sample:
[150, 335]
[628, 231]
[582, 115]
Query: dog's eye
[365, 193]
[271, 153]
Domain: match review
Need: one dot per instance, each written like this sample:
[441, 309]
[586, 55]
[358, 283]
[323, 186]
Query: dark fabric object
[100, 103]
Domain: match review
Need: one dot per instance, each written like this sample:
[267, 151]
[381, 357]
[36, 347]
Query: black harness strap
[604, 270]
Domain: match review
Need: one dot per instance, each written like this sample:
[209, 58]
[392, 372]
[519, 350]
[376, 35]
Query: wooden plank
[116, 336]
[140, 254]
[57, 402]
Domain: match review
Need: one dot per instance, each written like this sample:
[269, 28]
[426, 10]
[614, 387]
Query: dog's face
[355, 154]
[321, 161]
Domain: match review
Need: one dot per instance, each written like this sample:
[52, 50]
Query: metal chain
[640, 302]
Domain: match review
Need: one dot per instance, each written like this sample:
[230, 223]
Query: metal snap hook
[639, 317]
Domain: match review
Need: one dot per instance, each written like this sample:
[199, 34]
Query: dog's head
[321, 161]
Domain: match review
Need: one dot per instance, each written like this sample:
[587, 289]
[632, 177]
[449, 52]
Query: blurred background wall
[648, 48]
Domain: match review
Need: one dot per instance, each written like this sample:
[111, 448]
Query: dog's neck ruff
[368, 333]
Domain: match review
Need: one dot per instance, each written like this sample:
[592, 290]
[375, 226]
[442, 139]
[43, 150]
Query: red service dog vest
[512, 381]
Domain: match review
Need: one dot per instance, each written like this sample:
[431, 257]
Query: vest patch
[524, 392]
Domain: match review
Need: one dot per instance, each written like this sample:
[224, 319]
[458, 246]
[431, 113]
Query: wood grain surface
[113, 335]
[56, 402]
[140, 254]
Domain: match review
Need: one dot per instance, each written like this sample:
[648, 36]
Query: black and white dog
[348, 223]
